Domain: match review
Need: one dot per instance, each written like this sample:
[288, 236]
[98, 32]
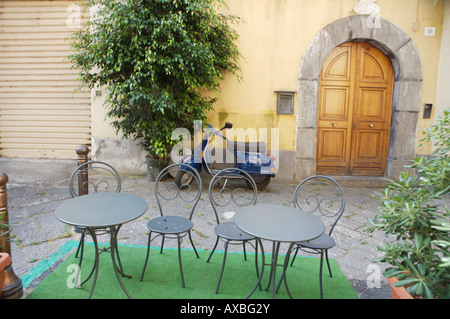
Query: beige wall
[443, 92]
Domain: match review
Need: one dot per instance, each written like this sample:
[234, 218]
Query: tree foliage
[157, 58]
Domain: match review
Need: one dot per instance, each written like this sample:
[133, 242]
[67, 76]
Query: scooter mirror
[227, 125]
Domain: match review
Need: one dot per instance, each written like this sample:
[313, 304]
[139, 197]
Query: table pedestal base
[273, 265]
[114, 252]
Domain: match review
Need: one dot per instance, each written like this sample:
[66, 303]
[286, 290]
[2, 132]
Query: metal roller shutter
[40, 115]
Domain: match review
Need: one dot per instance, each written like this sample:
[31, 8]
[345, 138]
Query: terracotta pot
[5, 261]
[398, 292]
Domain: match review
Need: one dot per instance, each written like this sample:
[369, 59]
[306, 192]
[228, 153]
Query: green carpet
[162, 278]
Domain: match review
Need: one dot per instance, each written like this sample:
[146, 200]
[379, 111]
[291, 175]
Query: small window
[285, 102]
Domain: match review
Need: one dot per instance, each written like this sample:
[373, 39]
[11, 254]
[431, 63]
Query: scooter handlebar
[218, 132]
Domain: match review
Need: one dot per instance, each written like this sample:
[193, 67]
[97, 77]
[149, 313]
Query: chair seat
[231, 232]
[322, 242]
[170, 225]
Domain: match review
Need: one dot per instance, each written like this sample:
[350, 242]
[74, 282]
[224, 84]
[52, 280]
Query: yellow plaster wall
[274, 34]
[273, 38]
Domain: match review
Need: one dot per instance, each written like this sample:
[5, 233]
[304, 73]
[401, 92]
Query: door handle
[370, 125]
[333, 124]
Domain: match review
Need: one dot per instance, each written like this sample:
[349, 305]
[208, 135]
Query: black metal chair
[89, 178]
[322, 195]
[173, 201]
[229, 189]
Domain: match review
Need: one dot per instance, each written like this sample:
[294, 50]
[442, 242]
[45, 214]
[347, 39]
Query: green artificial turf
[162, 278]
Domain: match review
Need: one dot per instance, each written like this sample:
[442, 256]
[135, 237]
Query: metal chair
[173, 201]
[228, 189]
[89, 178]
[322, 195]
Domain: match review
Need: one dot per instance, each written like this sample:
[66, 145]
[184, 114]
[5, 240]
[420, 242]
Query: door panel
[371, 112]
[335, 102]
[371, 107]
[371, 70]
[355, 100]
[338, 67]
[334, 143]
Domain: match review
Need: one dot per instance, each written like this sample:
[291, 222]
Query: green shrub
[410, 211]
[157, 58]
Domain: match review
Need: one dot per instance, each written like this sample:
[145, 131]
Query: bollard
[5, 245]
[83, 177]
[12, 288]
[83, 188]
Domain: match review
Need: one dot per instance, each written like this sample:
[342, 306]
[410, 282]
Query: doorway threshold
[362, 181]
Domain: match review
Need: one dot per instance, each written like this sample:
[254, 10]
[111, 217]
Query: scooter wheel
[261, 181]
[183, 178]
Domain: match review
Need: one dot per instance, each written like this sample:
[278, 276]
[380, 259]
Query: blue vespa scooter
[249, 157]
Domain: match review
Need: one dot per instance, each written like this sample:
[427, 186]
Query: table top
[278, 223]
[101, 209]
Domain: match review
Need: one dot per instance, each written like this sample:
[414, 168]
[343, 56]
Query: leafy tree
[161, 60]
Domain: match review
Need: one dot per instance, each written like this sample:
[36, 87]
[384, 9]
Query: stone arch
[407, 95]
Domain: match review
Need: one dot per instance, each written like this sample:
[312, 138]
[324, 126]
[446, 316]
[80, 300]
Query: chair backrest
[178, 198]
[321, 195]
[94, 177]
[230, 189]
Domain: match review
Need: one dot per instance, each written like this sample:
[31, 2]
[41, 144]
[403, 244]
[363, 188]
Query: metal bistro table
[279, 224]
[102, 211]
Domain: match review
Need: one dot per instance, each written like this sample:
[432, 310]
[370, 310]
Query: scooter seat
[254, 147]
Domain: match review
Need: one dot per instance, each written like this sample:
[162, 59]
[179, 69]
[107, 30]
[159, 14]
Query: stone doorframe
[407, 95]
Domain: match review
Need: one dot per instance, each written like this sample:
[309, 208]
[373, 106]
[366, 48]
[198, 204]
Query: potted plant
[161, 62]
[413, 213]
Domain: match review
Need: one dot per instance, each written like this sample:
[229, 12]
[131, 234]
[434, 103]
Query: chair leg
[328, 263]
[179, 260]
[295, 255]
[148, 253]
[192, 243]
[223, 266]
[162, 244]
[320, 274]
[214, 248]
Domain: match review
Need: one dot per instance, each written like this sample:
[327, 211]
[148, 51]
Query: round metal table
[102, 211]
[279, 224]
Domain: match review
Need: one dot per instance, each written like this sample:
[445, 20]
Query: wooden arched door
[354, 118]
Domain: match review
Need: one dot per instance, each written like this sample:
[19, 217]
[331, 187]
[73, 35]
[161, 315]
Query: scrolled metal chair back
[175, 199]
[94, 177]
[321, 195]
[230, 189]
